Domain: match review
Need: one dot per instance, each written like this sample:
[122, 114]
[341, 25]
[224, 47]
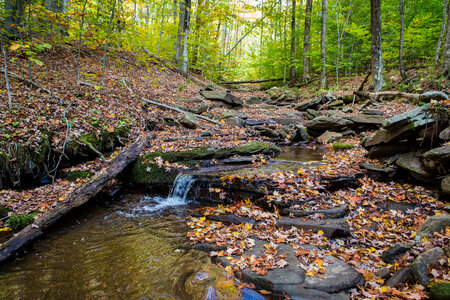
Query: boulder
[287, 121]
[445, 134]
[300, 135]
[381, 173]
[431, 225]
[362, 119]
[329, 137]
[374, 112]
[383, 273]
[266, 131]
[253, 100]
[312, 104]
[227, 98]
[189, 121]
[234, 121]
[330, 213]
[440, 155]
[394, 253]
[326, 123]
[445, 185]
[380, 151]
[419, 267]
[401, 276]
[331, 228]
[413, 164]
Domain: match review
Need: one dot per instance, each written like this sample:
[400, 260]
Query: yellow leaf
[385, 289]
[14, 47]
[320, 232]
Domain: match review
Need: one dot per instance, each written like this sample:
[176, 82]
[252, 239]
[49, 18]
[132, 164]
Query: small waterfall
[177, 196]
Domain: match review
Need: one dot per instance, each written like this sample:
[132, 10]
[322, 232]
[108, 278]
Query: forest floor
[131, 77]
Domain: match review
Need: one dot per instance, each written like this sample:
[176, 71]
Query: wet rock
[383, 273]
[413, 164]
[394, 253]
[266, 131]
[445, 185]
[420, 265]
[300, 135]
[440, 291]
[380, 173]
[330, 228]
[330, 213]
[209, 247]
[230, 219]
[401, 276]
[189, 121]
[329, 137]
[445, 134]
[341, 182]
[243, 160]
[325, 123]
[223, 97]
[431, 225]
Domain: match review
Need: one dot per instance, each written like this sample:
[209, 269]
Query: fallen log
[250, 81]
[75, 199]
[180, 111]
[425, 97]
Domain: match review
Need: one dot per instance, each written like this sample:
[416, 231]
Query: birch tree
[306, 42]
[323, 44]
[375, 50]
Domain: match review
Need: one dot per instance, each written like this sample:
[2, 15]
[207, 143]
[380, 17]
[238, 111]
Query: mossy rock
[139, 174]
[3, 212]
[73, 176]
[440, 291]
[342, 146]
[18, 222]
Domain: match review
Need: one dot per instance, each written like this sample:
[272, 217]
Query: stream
[134, 248]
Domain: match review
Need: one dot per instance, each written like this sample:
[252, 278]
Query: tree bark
[198, 24]
[292, 69]
[185, 53]
[441, 35]
[106, 42]
[400, 48]
[446, 63]
[376, 54]
[162, 26]
[14, 10]
[179, 42]
[6, 70]
[306, 42]
[323, 44]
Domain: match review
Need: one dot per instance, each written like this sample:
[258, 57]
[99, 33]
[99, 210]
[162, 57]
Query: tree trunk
[185, 56]
[441, 35]
[306, 42]
[198, 24]
[106, 42]
[323, 44]
[446, 63]
[162, 26]
[376, 54]
[6, 71]
[400, 50]
[292, 70]
[14, 11]
[178, 44]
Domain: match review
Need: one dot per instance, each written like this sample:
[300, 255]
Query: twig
[64, 145]
[86, 143]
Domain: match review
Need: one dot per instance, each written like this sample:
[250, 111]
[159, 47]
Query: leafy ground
[129, 77]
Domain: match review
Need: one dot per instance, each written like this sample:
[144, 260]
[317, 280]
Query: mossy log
[77, 198]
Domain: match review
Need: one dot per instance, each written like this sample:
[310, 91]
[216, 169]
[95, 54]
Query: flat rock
[253, 100]
[287, 121]
[341, 182]
[325, 123]
[209, 247]
[367, 119]
[230, 219]
[432, 224]
[381, 173]
[380, 151]
[234, 121]
[227, 98]
[330, 213]
[254, 122]
[373, 112]
[243, 160]
[413, 164]
[440, 155]
[330, 228]
[329, 137]
[419, 267]
[266, 131]
[189, 121]
[312, 104]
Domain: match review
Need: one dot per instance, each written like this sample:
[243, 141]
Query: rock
[267, 132]
[253, 100]
[394, 253]
[287, 121]
[330, 213]
[431, 225]
[326, 123]
[341, 182]
[189, 121]
[445, 185]
[329, 137]
[440, 155]
[367, 119]
[366, 104]
[189, 100]
[401, 276]
[313, 113]
[242, 160]
[418, 115]
[445, 134]
[230, 219]
[419, 267]
[379, 173]
[300, 135]
[331, 228]
[234, 121]
[336, 104]
[440, 291]
[375, 112]
[381, 151]
[209, 247]
[383, 273]
[347, 110]
[221, 96]
[312, 104]
[413, 164]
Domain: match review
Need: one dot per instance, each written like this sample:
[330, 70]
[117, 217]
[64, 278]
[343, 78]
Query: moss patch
[440, 291]
[18, 222]
[3, 212]
[73, 176]
[342, 146]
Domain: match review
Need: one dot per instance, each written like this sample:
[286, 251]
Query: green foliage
[18, 222]
[73, 176]
[3, 212]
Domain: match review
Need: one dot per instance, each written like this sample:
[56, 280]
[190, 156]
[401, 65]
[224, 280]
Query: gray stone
[409, 118]
[367, 119]
[330, 213]
[234, 121]
[380, 151]
[325, 123]
[413, 164]
[431, 225]
[313, 113]
[189, 121]
[445, 134]
[312, 104]
[190, 100]
[394, 253]
[230, 219]
[420, 265]
[221, 96]
[329, 137]
[401, 276]
[287, 121]
[440, 155]
[330, 228]
[266, 131]
[347, 110]
[372, 112]
[445, 185]
[300, 135]
[383, 273]
[378, 172]
[242, 160]
[208, 247]
[253, 100]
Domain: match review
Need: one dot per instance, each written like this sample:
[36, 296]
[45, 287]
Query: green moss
[440, 291]
[18, 222]
[3, 212]
[336, 103]
[342, 146]
[72, 176]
